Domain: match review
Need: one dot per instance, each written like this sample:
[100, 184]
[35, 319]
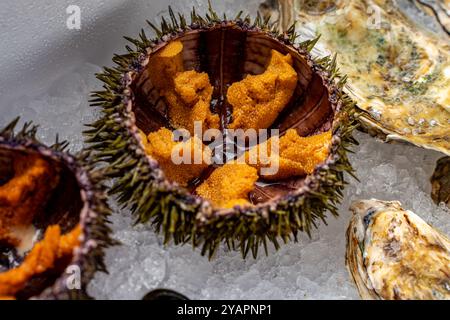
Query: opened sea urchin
[52, 219]
[184, 92]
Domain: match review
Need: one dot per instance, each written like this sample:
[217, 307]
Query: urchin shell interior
[227, 53]
[227, 50]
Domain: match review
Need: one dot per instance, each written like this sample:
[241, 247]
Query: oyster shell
[393, 254]
[53, 213]
[398, 72]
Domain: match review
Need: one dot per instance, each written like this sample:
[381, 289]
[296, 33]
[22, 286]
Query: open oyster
[216, 75]
[398, 72]
[393, 254]
[52, 219]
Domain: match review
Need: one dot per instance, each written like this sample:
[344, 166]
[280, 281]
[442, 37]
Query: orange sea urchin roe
[25, 194]
[190, 101]
[165, 64]
[168, 153]
[229, 185]
[297, 155]
[40, 259]
[258, 99]
[188, 93]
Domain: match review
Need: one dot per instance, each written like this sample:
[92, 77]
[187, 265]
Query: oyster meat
[398, 72]
[393, 254]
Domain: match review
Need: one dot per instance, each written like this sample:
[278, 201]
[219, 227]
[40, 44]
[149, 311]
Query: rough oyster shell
[75, 200]
[393, 254]
[398, 72]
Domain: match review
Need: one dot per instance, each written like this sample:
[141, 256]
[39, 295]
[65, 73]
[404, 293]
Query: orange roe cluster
[188, 93]
[42, 258]
[258, 99]
[296, 155]
[229, 185]
[195, 157]
[165, 64]
[190, 101]
[25, 194]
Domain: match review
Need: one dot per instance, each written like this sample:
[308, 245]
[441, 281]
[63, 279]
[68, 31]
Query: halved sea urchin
[52, 219]
[224, 74]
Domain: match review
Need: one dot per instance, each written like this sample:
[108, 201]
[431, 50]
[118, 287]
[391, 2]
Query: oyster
[440, 182]
[398, 72]
[393, 254]
[225, 74]
[52, 219]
